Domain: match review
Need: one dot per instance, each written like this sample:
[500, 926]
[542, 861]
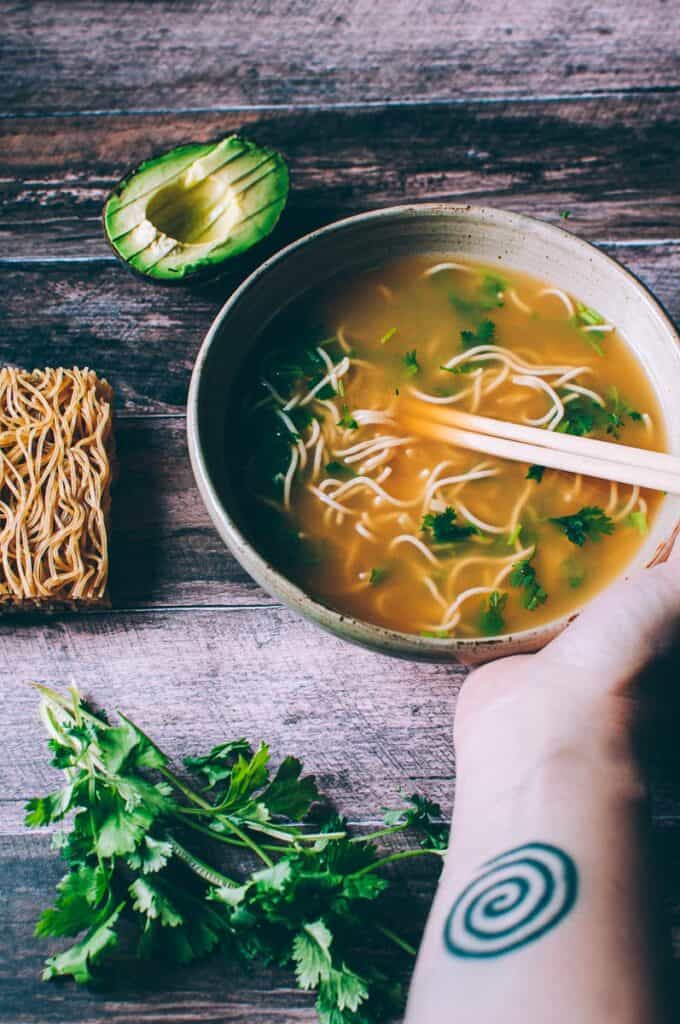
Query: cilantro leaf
[524, 575]
[579, 418]
[151, 855]
[617, 410]
[411, 364]
[46, 810]
[484, 335]
[287, 794]
[342, 990]
[120, 828]
[377, 576]
[347, 420]
[311, 954]
[491, 622]
[444, 528]
[339, 469]
[125, 747]
[149, 899]
[536, 473]
[565, 214]
[589, 523]
[217, 766]
[79, 958]
[78, 893]
[492, 291]
[423, 815]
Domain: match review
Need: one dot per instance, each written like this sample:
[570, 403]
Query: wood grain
[613, 162]
[194, 678]
[532, 107]
[145, 339]
[93, 56]
[215, 991]
[165, 550]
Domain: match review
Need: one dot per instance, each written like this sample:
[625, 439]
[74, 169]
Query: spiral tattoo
[515, 898]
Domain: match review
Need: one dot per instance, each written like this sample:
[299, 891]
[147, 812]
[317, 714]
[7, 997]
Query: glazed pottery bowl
[484, 235]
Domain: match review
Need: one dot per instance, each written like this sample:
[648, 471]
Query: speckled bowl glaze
[485, 235]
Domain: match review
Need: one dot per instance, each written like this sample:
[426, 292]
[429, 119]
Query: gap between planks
[381, 104]
[48, 261]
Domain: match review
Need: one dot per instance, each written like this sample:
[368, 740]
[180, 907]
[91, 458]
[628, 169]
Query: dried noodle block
[56, 453]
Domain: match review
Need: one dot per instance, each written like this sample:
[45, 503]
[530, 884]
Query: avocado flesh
[196, 206]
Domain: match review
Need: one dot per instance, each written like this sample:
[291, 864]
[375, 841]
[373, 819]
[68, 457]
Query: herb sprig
[484, 335]
[135, 869]
[589, 523]
[524, 575]
[444, 528]
[491, 620]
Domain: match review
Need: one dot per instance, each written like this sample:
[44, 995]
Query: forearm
[571, 935]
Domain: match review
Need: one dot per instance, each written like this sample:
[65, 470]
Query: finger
[623, 629]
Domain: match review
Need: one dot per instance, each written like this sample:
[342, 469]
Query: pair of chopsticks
[520, 443]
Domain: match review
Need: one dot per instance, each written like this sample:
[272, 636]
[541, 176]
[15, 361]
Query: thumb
[623, 629]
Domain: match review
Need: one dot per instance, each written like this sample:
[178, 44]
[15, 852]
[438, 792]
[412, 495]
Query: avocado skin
[262, 179]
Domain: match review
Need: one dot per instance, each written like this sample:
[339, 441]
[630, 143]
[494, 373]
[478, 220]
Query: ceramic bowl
[484, 235]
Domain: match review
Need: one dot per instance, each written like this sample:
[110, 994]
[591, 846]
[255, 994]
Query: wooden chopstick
[565, 452]
[545, 438]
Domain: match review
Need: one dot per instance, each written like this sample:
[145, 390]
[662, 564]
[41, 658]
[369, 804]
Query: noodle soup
[417, 535]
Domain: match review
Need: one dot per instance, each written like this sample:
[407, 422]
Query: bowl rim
[390, 641]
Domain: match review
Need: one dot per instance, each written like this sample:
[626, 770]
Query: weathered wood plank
[215, 991]
[95, 56]
[145, 339]
[165, 550]
[613, 162]
[364, 723]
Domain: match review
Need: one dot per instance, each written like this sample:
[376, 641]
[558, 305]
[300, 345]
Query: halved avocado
[192, 208]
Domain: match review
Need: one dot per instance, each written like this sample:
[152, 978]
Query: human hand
[582, 686]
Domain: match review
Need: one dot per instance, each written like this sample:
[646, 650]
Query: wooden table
[531, 106]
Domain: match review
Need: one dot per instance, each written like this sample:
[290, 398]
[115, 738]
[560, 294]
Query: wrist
[513, 730]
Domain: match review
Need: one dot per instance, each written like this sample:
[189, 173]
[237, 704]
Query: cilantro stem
[401, 855]
[397, 940]
[291, 833]
[188, 792]
[379, 834]
[192, 795]
[248, 841]
[198, 866]
[229, 840]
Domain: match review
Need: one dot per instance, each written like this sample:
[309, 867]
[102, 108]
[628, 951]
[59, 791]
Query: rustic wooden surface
[532, 106]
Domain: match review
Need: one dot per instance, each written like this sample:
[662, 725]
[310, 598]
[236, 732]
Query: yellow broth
[337, 495]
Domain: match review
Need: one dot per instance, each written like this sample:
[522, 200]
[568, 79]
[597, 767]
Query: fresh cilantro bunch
[146, 849]
[589, 523]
